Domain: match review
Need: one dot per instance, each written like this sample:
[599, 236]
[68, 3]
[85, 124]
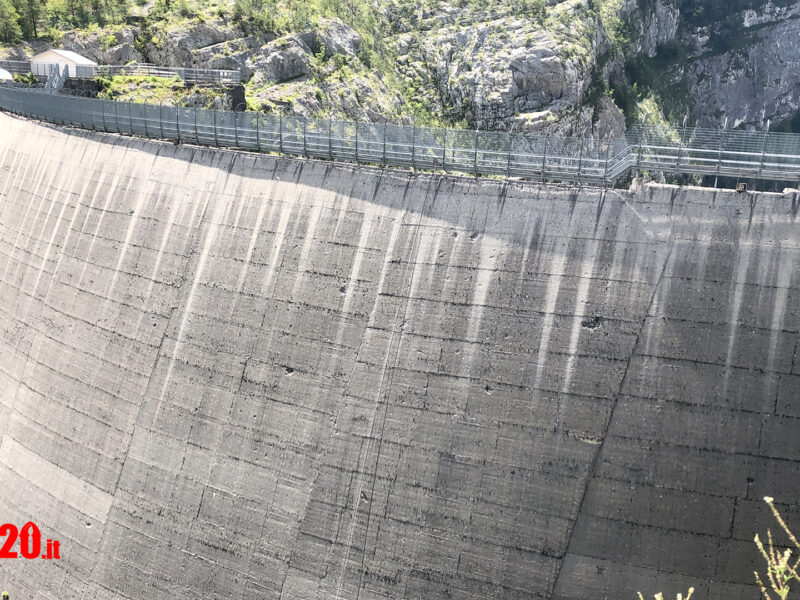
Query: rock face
[316, 72]
[758, 81]
[174, 46]
[653, 23]
[110, 47]
[116, 48]
[236, 54]
[497, 66]
[288, 58]
[510, 73]
[336, 38]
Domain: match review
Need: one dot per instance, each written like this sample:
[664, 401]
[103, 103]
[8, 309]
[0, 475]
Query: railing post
[105, 127]
[444, 152]
[384, 143]
[90, 120]
[305, 128]
[177, 124]
[357, 128]
[639, 148]
[475, 156]
[544, 156]
[258, 137]
[719, 154]
[414, 148]
[508, 151]
[764, 149]
[161, 120]
[196, 136]
[680, 150]
[235, 116]
[216, 135]
[605, 166]
[330, 139]
[580, 160]
[280, 133]
[116, 115]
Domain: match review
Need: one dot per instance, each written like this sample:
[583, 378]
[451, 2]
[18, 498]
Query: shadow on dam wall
[240, 376]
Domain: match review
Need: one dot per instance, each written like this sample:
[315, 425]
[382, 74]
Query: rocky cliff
[566, 67]
[757, 79]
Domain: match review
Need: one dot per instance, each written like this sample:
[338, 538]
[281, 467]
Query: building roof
[67, 55]
[5, 75]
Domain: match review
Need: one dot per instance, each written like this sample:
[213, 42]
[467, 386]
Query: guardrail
[758, 155]
[16, 67]
[189, 75]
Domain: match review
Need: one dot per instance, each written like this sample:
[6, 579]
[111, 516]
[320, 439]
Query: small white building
[40, 64]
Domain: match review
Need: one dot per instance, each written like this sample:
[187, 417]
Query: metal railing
[189, 75]
[16, 67]
[759, 155]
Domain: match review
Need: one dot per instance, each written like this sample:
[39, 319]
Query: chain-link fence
[761, 155]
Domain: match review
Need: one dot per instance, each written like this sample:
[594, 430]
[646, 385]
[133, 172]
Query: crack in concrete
[592, 471]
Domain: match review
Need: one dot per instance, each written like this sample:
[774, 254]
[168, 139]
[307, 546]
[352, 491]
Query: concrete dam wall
[227, 375]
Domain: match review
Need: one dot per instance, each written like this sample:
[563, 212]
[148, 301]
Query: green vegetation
[26, 78]
[148, 89]
[253, 16]
[29, 18]
[10, 30]
[661, 79]
[30, 14]
[65, 14]
[142, 87]
[782, 569]
[384, 27]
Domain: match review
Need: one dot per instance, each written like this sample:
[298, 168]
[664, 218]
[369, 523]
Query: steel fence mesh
[570, 159]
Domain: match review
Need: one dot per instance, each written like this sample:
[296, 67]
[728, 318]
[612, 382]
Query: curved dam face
[226, 375]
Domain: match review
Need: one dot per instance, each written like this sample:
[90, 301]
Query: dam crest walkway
[685, 150]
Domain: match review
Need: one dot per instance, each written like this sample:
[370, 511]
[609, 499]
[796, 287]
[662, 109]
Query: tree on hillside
[255, 16]
[30, 12]
[80, 13]
[10, 31]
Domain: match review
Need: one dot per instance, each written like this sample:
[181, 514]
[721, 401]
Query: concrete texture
[225, 375]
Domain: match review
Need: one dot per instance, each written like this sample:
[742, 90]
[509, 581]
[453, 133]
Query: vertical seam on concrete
[399, 331]
[191, 248]
[596, 459]
[357, 353]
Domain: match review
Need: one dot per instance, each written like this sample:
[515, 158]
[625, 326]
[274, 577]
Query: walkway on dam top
[189, 75]
[687, 150]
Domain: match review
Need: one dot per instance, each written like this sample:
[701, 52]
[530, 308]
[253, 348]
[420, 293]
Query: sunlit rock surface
[240, 376]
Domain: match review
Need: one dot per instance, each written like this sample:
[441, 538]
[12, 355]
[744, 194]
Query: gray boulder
[653, 24]
[337, 37]
[103, 47]
[282, 60]
[755, 83]
[236, 54]
[174, 47]
[505, 72]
